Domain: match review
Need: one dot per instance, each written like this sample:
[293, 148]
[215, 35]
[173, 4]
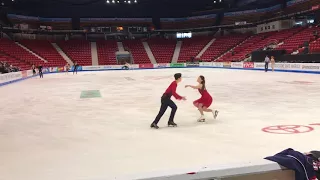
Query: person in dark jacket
[75, 69]
[40, 71]
[297, 161]
[315, 155]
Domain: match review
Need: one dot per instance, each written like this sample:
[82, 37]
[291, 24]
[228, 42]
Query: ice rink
[47, 132]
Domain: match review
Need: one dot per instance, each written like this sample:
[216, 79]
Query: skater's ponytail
[203, 82]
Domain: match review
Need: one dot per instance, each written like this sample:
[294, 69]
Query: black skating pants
[266, 66]
[165, 103]
[41, 74]
[75, 70]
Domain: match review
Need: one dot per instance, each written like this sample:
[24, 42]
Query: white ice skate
[215, 114]
[201, 119]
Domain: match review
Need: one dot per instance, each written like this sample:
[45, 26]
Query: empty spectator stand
[192, 47]
[258, 41]
[222, 45]
[136, 48]
[240, 51]
[10, 48]
[45, 49]
[296, 41]
[107, 52]
[78, 51]
[162, 49]
[276, 37]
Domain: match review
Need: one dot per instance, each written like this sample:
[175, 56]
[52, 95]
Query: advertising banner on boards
[217, 64]
[192, 64]
[10, 77]
[161, 65]
[237, 64]
[143, 66]
[248, 65]
[209, 64]
[95, 68]
[310, 67]
[177, 65]
[227, 64]
[80, 68]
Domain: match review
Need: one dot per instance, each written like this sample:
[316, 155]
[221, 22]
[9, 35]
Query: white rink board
[48, 132]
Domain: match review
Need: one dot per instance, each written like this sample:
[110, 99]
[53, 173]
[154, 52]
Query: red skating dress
[205, 99]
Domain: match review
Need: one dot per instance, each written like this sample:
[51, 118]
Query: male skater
[75, 68]
[40, 71]
[166, 101]
[266, 63]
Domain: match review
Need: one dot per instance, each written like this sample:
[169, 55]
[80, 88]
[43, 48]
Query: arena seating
[107, 52]
[258, 41]
[136, 48]
[277, 37]
[296, 41]
[45, 49]
[162, 49]
[192, 47]
[14, 62]
[78, 51]
[314, 47]
[239, 52]
[10, 48]
[222, 45]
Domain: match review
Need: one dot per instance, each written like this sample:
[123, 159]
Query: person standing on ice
[266, 63]
[40, 71]
[167, 102]
[75, 69]
[273, 62]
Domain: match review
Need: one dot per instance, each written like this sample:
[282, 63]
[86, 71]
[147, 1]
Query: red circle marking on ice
[287, 129]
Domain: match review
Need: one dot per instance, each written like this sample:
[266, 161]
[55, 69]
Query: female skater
[205, 101]
[67, 68]
[272, 63]
[33, 69]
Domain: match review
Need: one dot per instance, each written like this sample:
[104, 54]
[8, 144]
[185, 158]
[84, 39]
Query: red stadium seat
[107, 52]
[136, 48]
[192, 47]
[78, 51]
[162, 49]
[45, 49]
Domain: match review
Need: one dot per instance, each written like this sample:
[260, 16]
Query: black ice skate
[172, 124]
[153, 125]
[215, 114]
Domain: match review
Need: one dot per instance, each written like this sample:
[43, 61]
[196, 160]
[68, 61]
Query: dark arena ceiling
[121, 8]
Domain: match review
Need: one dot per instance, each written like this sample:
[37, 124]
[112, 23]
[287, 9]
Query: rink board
[313, 68]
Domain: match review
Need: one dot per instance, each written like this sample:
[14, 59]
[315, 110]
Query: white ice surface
[48, 133]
